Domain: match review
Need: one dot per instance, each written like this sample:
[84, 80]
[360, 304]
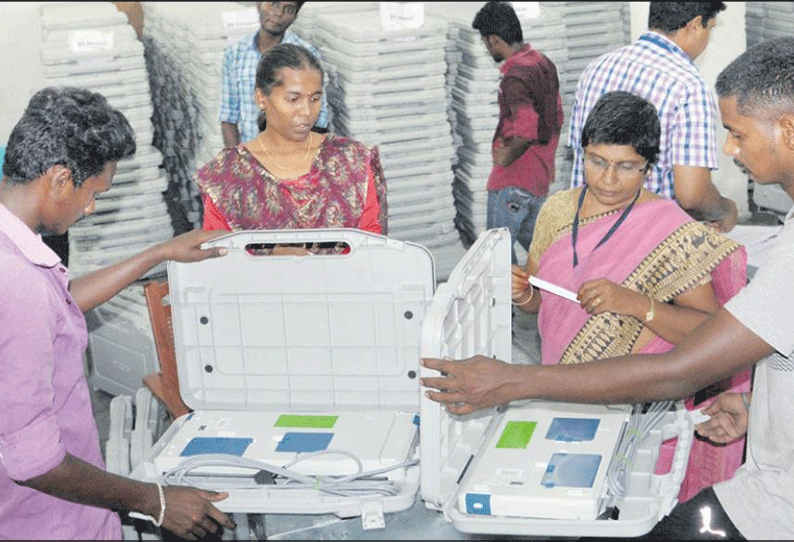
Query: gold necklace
[275, 163]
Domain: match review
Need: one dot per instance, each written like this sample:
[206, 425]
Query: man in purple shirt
[60, 155]
[530, 119]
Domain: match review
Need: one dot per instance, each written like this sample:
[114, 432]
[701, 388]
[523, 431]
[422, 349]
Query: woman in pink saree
[644, 271]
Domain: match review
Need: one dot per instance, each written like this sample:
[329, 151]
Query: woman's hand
[602, 295]
[520, 284]
[286, 250]
[522, 293]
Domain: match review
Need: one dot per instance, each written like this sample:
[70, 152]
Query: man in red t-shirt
[530, 118]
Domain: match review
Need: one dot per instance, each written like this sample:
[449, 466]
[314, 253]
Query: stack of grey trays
[185, 43]
[92, 45]
[306, 20]
[768, 20]
[764, 21]
[591, 29]
[387, 88]
[474, 102]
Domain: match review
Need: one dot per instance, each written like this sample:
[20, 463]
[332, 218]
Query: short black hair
[499, 19]
[761, 78]
[68, 126]
[298, 6]
[623, 118]
[671, 16]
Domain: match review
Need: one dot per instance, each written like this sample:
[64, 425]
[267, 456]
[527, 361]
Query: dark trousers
[700, 518]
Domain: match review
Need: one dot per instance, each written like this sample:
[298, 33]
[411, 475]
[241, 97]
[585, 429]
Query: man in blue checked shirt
[239, 114]
[660, 67]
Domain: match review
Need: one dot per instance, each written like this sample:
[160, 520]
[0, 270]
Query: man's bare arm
[230, 134]
[696, 193]
[716, 349]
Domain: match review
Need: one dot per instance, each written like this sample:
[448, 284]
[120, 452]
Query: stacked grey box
[764, 21]
[305, 23]
[768, 20]
[387, 88]
[92, 45]
[184, 43]
[591, 29]
[474, 102]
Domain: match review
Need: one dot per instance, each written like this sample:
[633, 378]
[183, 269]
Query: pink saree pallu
[661, 252]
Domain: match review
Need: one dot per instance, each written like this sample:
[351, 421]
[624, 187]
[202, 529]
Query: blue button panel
[216, 445]
[298, 442]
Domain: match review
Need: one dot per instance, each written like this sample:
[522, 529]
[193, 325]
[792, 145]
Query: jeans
[515, 209]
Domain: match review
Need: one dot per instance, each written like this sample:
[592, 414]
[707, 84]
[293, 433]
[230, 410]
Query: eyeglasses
[624, 170]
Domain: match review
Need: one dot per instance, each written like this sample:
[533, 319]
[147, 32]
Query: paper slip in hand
[553, 288]
[698, 416]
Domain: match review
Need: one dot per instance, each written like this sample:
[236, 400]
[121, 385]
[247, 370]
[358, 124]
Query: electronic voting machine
[302, 373]
[535, 468]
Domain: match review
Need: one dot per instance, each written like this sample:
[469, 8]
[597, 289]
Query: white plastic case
[471, 315]
[320, 333]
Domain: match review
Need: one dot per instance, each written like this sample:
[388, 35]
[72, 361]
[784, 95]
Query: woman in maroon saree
[290, 177]
[645, 272]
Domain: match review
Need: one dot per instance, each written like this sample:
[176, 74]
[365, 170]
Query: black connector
[264, 478]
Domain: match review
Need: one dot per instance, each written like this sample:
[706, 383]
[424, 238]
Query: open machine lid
[313, 333]
[471, 315]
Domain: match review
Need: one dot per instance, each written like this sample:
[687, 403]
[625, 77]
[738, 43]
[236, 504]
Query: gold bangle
[527, 300]
[650, 314]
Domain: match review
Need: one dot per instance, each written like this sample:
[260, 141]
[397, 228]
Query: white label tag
[89, 41]
[526, 10]
[401, 15]
[241, 18]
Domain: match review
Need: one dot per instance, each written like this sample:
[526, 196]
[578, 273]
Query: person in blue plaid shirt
[660, 67]
[239, 114]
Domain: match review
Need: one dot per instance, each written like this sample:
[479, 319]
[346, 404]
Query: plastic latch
[372, 513]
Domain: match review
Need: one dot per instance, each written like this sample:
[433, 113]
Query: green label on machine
[516, 435]
[307, 420]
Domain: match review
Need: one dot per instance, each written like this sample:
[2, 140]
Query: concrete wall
[21, 73]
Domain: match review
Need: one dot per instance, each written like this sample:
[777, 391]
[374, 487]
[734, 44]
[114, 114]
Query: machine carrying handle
[326, 237]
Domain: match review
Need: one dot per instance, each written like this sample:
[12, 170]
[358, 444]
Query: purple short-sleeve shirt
[45, 404]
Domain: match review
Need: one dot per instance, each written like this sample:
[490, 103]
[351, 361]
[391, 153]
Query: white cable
[639, 427]
[359, 483]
